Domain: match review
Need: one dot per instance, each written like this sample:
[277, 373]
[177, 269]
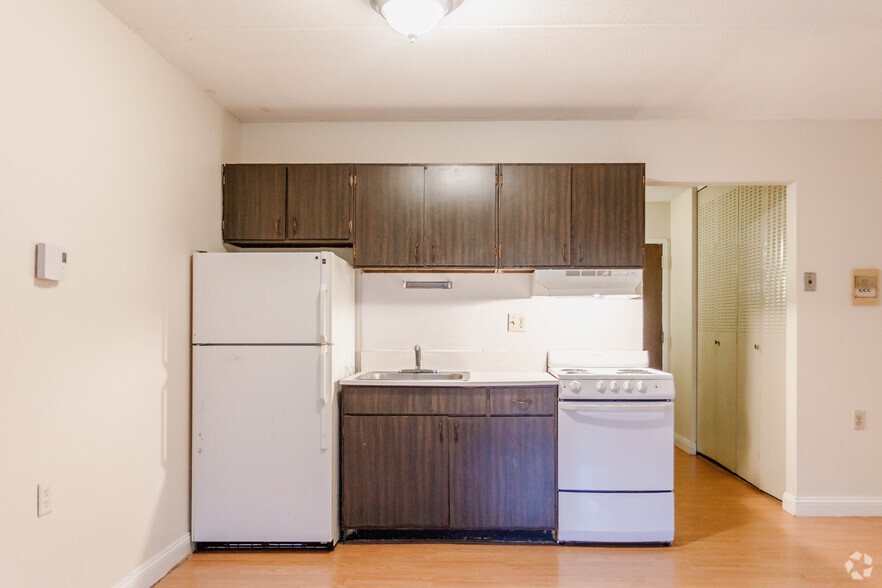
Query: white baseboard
[159, 565]
[684, 444]
[832, 506]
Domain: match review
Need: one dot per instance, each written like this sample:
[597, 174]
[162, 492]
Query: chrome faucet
[418, 359]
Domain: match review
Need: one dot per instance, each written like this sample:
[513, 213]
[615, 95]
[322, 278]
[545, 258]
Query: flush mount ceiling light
[413, 18]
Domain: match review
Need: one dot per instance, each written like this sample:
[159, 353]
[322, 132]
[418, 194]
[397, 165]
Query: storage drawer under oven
[615, 446]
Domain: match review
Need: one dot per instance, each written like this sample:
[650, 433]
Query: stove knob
[613, 386]
[627, 386]
[600, 385]
[641, 387]
[575, 386]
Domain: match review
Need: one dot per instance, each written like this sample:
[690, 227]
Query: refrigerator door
[263, 445]
[261, 298]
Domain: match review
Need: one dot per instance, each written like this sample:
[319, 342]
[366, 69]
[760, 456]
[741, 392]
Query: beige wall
[832, 165]
[110, 153]
[683, 308]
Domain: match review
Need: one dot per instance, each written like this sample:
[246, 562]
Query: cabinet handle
[563, 253]
[433, 253]
[717, 343]
[293, 225]
[278, 220]
[581, 253]
[456, 432]
[416, 253]
[523, 403]
[441, 431]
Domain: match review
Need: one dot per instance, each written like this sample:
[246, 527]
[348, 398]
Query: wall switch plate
[810, 281]
[864, 286]
[517, 321]
[44, 499]
[859, 418]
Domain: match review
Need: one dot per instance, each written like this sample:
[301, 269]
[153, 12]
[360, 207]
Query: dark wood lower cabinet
[396, 471]
[488, 464]
[501, 476]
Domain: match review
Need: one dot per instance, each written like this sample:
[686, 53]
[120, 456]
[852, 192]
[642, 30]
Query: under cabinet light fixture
[413, 18]
[448, 285]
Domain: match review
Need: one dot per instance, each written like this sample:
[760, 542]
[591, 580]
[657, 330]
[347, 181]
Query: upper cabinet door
[319, 203]
[460, 216]
[534, 216]
[389, 216]
[254, 202]
[608, 208]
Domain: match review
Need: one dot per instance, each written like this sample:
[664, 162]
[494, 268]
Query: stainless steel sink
[414, 376]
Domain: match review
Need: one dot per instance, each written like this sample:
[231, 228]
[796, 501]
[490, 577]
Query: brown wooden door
[389, 216]
[534, 216]
[461, 216]
[395, 472]
[319, 203]
[608, 208]
[502, 473]
[254, 202]
[653, 335]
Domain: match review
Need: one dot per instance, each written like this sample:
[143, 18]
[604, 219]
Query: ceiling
[338, 60]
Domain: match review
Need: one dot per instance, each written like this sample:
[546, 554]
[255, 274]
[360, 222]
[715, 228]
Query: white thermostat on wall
[51, 262]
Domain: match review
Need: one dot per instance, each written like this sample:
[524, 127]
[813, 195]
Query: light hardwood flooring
[727, 534]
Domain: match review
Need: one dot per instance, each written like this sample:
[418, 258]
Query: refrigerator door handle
[324, 306]
[325, 398]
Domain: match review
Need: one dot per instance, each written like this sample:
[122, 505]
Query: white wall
[110, 153]
[472, 317]
[832, 165]
[683, 308]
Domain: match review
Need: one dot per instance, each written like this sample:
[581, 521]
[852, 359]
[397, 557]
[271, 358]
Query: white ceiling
[338, 60]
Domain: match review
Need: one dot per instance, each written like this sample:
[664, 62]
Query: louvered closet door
[773, 343]
[707, 325]
[750, 297]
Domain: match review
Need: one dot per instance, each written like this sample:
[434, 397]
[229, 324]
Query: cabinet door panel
[319, 203]
[254, 202]
[389, 215]
[461, 215]
[534, 216]
[502, 473]
[395, 472]
[608, 209]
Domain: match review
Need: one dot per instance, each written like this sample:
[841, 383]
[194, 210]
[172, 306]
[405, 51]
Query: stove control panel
[612, 389]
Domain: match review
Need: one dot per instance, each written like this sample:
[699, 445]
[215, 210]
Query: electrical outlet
[44, 499]
[517, 321]
[810, 281]
[859, 418]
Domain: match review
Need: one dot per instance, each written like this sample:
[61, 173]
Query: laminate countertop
[475, 379]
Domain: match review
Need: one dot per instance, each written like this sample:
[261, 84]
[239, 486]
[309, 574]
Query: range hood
[600, 283]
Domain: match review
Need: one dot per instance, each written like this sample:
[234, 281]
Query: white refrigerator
[273, 333]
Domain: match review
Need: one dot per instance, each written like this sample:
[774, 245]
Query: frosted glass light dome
[412, 18]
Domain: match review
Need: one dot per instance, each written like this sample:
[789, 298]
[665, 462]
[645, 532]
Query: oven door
[617, 446]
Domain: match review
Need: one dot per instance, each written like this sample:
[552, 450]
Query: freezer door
[263, 441]
[260, 298]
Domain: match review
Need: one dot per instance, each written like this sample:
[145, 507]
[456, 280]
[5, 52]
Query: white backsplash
[466, 327]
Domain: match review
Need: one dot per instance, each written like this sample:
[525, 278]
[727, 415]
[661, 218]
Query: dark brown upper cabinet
[254, 202]
[319, 203]
[287, 204]
[389, 216]
[608, 215]
[534, 216]
[460, 216]
[425, 216]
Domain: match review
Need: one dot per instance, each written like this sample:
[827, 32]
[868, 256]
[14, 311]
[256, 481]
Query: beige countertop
[475, 379]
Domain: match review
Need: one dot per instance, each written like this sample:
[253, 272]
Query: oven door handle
[620, 410]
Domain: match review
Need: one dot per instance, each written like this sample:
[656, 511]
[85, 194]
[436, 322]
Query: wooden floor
[727, 534]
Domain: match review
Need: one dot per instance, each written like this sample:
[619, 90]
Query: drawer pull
[441, 431]
[456, 432]
[523, 403]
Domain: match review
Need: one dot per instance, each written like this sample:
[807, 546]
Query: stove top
[602, 375]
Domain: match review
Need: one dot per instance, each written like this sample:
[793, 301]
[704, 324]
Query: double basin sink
[414, 375]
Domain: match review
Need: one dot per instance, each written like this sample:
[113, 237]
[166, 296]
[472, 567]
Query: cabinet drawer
[523, 400]
[416, 400]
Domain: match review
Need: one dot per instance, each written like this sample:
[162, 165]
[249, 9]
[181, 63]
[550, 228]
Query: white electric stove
[615, 448]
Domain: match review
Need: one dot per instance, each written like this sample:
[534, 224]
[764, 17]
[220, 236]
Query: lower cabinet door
[502, 473]
[395, 472]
